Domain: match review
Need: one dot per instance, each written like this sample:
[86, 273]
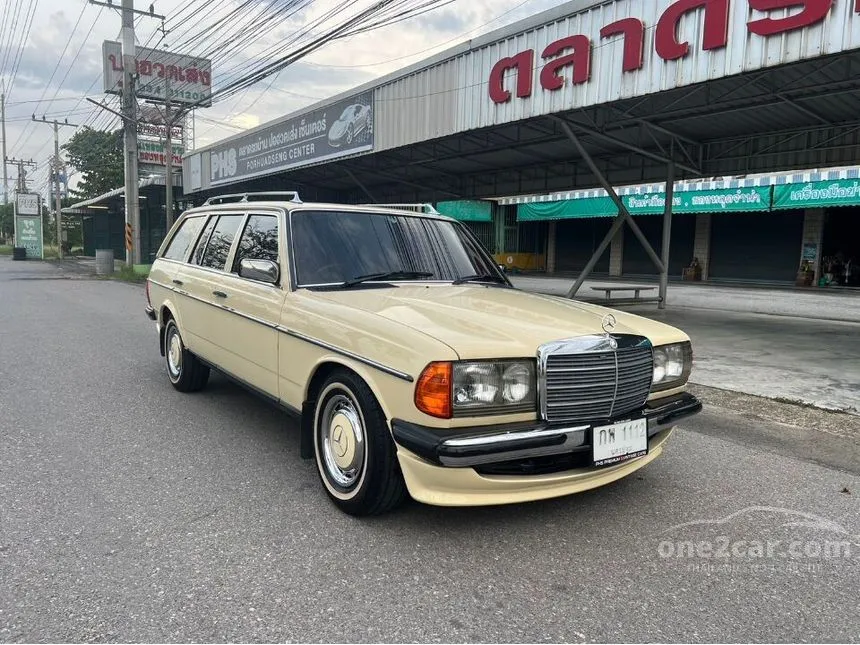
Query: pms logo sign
[224, 164]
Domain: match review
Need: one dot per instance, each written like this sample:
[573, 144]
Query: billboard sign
[161, 75]
[338, 130]
[28, 225]
[27, 204]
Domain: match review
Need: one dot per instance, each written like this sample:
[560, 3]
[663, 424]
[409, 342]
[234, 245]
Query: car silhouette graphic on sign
[355, 123]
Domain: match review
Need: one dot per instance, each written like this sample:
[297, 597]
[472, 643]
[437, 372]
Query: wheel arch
[320, 372]
[167, 311]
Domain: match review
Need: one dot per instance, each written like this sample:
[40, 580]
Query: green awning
[754, 198]
[819, 194]
[467, 210]
[567, 209]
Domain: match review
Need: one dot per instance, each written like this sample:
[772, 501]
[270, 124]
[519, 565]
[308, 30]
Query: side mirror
[502, 268]
[260, 270]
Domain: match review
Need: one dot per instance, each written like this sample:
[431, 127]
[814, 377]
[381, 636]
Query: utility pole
[5, 171]
[56, 168]
[170, 119]
[168, 163]
[22, 174]
[129, 122]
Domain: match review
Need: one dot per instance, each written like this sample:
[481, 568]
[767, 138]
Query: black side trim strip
[308, 339]
[254, 390]
[361, 359]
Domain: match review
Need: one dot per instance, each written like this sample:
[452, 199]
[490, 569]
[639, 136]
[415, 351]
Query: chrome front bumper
[482, 445]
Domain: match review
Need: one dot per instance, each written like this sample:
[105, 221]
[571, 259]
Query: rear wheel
[184, 369]
[354, 452]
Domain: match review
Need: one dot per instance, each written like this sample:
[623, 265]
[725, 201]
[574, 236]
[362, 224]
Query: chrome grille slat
[585, 379]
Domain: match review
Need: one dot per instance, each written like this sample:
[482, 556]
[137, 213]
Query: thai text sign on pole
[152, 152]
[28, 225]
[188, 78]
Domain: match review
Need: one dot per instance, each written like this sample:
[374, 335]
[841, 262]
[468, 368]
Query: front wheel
[184, 369]
[354, 452]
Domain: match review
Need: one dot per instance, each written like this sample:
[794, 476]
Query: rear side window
[259, 240]
[183, 239]
[197, 257]
[215, 255]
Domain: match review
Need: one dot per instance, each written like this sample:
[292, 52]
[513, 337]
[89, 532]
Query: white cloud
[336, 68]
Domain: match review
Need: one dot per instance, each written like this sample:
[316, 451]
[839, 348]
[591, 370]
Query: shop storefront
[577, 240]
[740, 242]
[755, 246]
[831, 236]
[681, 252]
[840, 245]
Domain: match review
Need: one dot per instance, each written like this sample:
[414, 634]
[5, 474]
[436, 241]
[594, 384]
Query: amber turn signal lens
[433, 391]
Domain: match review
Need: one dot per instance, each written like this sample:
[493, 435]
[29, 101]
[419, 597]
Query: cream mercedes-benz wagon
[414, 365]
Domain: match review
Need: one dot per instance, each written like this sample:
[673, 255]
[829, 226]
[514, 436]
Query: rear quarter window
[182, 240]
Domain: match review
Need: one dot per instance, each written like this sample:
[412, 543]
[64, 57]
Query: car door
[252, 334]
[206, 320]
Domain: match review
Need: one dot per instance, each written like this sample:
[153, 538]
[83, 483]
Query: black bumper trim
[150, 312]
[482, 445]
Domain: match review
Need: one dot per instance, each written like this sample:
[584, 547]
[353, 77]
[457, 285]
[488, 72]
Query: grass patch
[5, 249]
[127, 274]
[50, 252]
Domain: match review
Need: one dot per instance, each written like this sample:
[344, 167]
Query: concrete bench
[636, 290]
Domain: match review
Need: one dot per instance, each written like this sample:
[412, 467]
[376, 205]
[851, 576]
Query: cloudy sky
[60, 61]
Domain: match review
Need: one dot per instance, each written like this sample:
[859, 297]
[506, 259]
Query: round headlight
[477, 383]
[659, 366]
[516, 381]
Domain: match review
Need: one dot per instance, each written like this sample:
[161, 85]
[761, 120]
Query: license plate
[619, 442]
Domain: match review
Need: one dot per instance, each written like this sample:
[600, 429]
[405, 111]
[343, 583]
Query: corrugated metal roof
[154, 180]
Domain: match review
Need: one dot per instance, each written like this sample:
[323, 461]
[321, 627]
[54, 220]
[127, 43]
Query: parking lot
[131, 512]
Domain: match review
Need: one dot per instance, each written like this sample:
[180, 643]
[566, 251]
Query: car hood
[488, 322]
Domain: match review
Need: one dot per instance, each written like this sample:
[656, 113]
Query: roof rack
[426, 208]
[291, 195]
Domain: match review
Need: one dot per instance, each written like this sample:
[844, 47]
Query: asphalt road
[130, 512]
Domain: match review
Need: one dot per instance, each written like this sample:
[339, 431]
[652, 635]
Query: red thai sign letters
[569, 59]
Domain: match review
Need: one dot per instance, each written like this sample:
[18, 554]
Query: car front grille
[597, 384]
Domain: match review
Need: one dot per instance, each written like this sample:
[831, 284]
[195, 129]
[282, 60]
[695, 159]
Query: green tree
[6, 221]
[98, 156]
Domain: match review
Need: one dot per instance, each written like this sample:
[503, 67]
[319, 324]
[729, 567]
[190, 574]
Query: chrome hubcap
[342, 441]
[174, 354]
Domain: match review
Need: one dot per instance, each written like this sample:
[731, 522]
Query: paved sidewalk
[819, 304]
[802, 346]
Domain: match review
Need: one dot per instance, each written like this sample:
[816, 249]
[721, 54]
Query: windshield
[346, 114]
[332, 247]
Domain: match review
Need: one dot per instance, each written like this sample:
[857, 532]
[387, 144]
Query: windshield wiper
[389, 275]
[479, 277]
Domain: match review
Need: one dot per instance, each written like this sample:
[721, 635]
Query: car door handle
[219, 294]
[178, 282]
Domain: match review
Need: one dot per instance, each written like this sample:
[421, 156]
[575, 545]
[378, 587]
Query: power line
[423, 51]
[57, 67]
[6, 43]
[25, 35]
